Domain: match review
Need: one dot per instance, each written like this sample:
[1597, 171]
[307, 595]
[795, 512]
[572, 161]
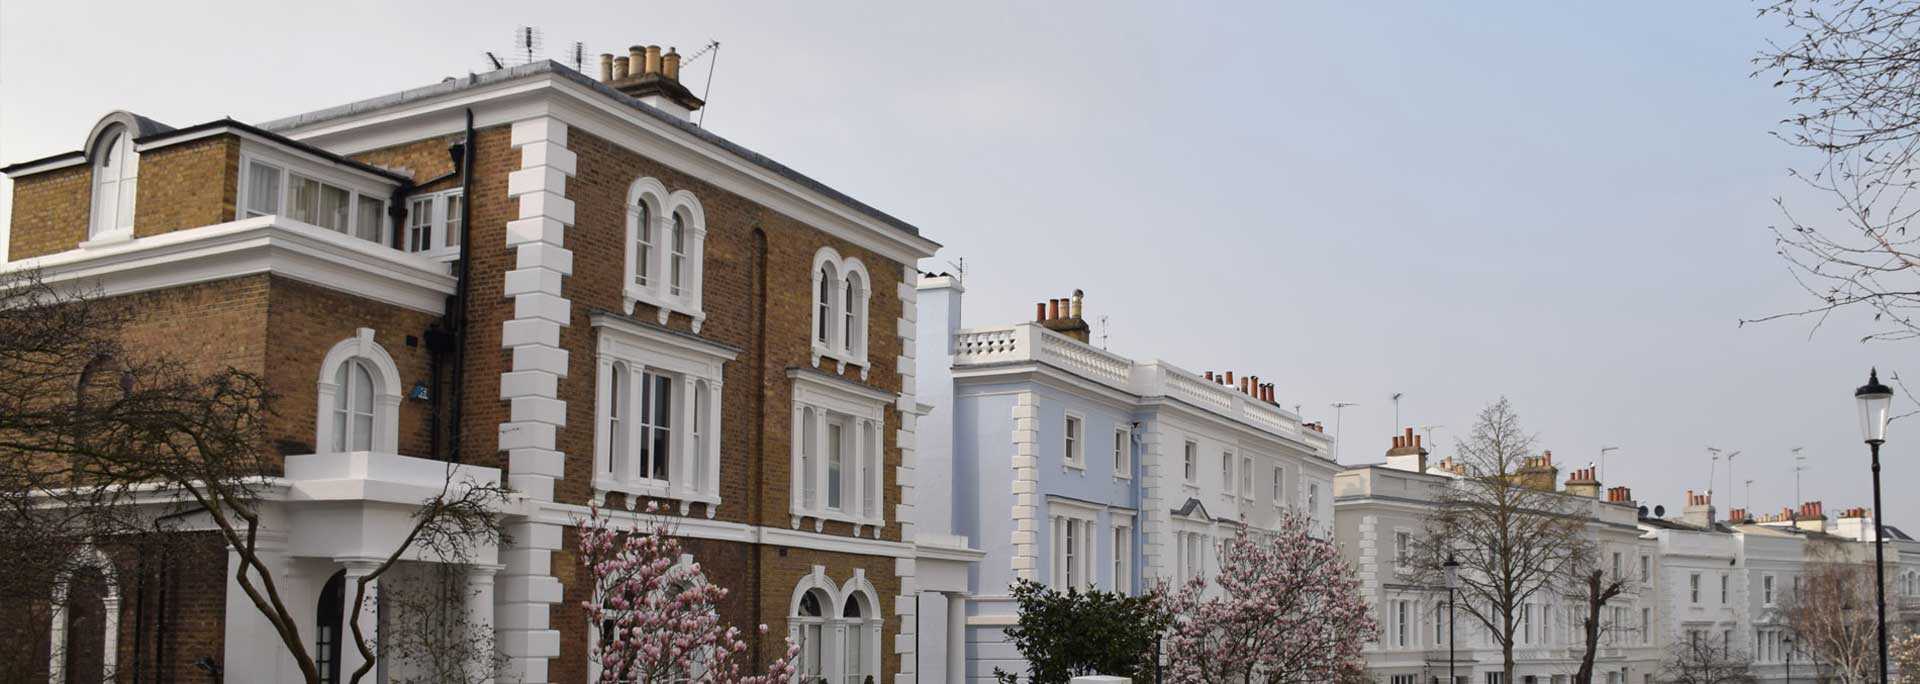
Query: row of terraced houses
[560, 283]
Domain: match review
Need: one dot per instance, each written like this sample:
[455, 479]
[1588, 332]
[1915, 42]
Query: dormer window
[277, 183]
[840, 295]
[114, 169]
[666, 234]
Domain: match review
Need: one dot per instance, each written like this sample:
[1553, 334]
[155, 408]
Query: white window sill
[667, 304]
[1082, 467]
[653, 489]
[841, 359]
[1122, 477]
[820, 518]
[108, 238]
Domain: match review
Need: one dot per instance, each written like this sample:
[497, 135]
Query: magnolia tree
[1287, 610]
[659, 618]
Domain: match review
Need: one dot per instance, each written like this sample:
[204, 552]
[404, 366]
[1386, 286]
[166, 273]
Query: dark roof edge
[160, 139]
[63, 156]
[550, 67]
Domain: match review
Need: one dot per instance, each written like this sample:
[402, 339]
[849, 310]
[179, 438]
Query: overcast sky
[1563, 203]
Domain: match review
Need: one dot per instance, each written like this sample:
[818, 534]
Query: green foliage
[1074, 633]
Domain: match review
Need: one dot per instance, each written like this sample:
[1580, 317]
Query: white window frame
[1191, 465]
[1402, 548]
[1693, 585]
[1122, 551]
[1123, 453]
[693, 471]
[441, 222]
[386, 393]
[663, 207]
[103, 226]
[1073, 441]
[1073, 531]
[818, 398]
[289, 165]
[1246, 478]
[842, 273]
[1279, 486]
[1227, 464]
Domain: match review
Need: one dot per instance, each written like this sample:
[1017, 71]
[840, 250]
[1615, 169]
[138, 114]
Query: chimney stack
[1407, 454]
[1620, 495]
[1699, 510]
[654, 79]
[1064, 316]
[1584, 482]
[1538, 472]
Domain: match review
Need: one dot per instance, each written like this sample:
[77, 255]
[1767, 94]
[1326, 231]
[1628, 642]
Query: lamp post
[1452, 568]
[1876, 401]
[1788, 643]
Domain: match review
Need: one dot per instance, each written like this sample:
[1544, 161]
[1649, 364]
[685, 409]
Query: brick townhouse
[647, 313]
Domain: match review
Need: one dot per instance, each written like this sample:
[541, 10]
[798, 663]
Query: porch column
[110, 648]
[480, 605]
[368, 613]
[956, 639]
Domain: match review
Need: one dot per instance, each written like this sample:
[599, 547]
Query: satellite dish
[1643, 511]
[1659, 511]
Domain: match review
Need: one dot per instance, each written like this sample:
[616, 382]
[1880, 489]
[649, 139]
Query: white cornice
[582, 108]
[696, 527]
[266, 244]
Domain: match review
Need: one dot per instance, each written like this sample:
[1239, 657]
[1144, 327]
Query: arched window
[114, 170]
[677, 257]
[643, 244]
[811, 621]
[353, 408]
[329, 617]
[826, 281]
[859, 628]
[359, 398]
[851, 310]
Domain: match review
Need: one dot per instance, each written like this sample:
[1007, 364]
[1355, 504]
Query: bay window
[657, 413]
[433, 224]
[838, 452]
[274, 183]
[1072, 531]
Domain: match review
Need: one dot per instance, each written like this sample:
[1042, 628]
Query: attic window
[114, 183]
[271, 186]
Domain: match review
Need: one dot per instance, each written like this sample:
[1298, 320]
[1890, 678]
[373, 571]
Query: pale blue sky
[1563, 203]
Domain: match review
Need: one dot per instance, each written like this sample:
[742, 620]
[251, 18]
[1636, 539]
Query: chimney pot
[653, 60]
[606, 66]
[1039, 311]
[619, 68]
[1229, 377]
[670, 65]
[1077, 295]
[1209, 375]
[636, 60]
[1053, 309]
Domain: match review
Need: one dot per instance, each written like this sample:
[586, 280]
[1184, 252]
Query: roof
[456, 85]
[142, 127]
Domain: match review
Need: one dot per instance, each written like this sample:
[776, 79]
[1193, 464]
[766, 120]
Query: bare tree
[1514, 537]
[1832, 613]
[432, 638]
[1699, 660]
[97, 443]
[1850, 71]
[1600, 590]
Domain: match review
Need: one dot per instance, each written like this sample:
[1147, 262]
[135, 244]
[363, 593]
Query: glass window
[113, 183]
[1246, 478]
[1192, 453]
[809, 435]
[371, 220]
[834, 445]
[850, 311]
[456, 218]
[420, 225]
[263, 190]
[824, 316]
[643, 246]
[1279, 477]
[1122, 558]
[678, 256]
[353, 407]
[1693, 583]
[1122, 454]
[1226, 473]
[616, 420]
[1072, 433]
[656, 425]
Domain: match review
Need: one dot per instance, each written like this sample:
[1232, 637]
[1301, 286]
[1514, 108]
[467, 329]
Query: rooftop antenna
[1396, 411]
[1749, 494]
[1429, 430]
[1711, 469]
[1797, 467]
[1603, 461]
[1338, 406]
[959, 268]
[578, 56]
[706, 91]
[497, 64]
[1103, 331]
[1730, 457]
[526, 39]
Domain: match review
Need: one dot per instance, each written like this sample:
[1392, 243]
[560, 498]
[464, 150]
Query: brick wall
[188, 185]
[305, 321]
[50, 212]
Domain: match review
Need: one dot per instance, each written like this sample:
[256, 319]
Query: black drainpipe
[457, 310]
[439, 339]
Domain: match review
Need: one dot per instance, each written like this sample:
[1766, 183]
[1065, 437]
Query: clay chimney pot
[606, 66]
[619, 68]
[653, 60]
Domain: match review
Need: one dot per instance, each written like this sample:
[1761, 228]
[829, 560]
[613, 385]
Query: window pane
[333, 208]
[420, 225]
[643, 246]
[833, 465]
[362, 432]
[362, 388]
[616, 427]
[455, 205]
[369, 224]
[303, 199]
[825, 314]
[263, 190]
[679, 252]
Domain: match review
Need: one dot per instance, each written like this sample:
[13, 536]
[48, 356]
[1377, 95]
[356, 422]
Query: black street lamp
[1876, 402]
[1787, 642]
[1452, 568]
